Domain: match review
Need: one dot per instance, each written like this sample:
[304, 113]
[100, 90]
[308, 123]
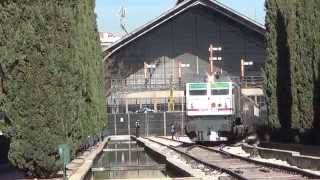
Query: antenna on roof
[123, 14]
[255, 14]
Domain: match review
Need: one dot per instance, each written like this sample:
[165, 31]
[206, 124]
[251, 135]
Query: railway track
[236, 166]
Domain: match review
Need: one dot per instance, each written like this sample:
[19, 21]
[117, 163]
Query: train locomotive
[216, 111]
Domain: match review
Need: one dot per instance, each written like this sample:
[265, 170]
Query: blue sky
[141, 11]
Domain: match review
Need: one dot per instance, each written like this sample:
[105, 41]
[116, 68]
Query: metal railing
[156, 84]
[127, 105]
[124, 85]
[249, 81]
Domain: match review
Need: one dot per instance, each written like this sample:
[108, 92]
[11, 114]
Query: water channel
[129, 160]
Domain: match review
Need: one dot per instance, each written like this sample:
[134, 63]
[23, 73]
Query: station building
[152, 64]
[106, 39]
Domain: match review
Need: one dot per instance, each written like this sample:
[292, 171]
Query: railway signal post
[180, 71]
[244, 63]
[212, 58]
[147, 68]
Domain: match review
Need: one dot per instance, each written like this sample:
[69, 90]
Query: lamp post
[244, 63]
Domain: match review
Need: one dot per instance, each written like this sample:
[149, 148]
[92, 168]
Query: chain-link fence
[151, 123]
[157, 121]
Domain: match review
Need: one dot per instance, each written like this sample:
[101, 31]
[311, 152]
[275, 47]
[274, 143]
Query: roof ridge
[236, 12]
[162, 15]
[179, 8]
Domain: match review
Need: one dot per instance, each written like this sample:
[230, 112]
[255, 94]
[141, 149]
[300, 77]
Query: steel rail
[270, 165]
[287, 169]
[266, 164]
[233, 174]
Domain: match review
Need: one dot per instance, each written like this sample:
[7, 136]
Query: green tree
[316, 65]
[292, 66]
[270, 70]
[52, 82]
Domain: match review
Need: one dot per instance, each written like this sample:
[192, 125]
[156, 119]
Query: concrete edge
[292, 157]
[172, 161]
[82, 171]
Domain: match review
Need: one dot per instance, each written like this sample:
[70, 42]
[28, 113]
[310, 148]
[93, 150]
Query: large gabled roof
[178, 9]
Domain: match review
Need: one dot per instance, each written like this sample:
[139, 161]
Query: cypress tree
[316, 63]
[293, 55]
[53, 86]
[270, 70]
[287, 10]
[284, 89]
[304, 75]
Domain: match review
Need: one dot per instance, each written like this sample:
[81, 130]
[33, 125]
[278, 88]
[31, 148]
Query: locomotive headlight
[210, 79]
[213, 105]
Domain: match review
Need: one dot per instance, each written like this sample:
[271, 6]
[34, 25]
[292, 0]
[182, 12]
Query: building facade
[173, 49]
[106, 39]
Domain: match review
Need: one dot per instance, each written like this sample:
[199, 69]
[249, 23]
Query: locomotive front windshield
[199, 89]
[219, 89]
[210, 110]
[198, 92]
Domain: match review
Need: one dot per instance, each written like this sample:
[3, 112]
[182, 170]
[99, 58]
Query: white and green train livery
[204, 99]
[211, 110]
